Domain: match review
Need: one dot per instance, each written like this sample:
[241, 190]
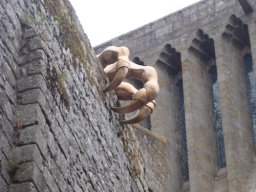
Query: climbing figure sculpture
[118, 67]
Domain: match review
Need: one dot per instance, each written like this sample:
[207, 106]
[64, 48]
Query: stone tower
[205, 55]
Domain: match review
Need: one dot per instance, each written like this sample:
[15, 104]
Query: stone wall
[57, 132]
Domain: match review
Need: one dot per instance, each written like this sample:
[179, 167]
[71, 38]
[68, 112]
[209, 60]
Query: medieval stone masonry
[59, 134]
[205, 55]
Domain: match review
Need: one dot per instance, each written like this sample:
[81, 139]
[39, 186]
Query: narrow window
[182, 126]
[251, 91]
[221, 157]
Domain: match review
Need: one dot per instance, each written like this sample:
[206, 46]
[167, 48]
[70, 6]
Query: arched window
[203, 48]
[170, 61]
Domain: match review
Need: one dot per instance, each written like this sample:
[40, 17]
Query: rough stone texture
[57, 132]
[178, 32]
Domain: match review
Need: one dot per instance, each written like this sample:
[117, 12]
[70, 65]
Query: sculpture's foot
[143, 112]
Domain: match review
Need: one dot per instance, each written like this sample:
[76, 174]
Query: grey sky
[104, 20]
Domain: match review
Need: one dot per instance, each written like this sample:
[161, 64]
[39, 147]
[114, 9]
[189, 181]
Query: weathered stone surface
[58, 133]
[29, 172]
[24, 154]
[5, 177]
[55, 120]
[31, 82]
[33, 135]
[23, 187]
[29, 115]
[3, 184]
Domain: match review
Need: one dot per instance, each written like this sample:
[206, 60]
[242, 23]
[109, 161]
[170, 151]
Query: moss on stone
[70, 35]
[60, 84]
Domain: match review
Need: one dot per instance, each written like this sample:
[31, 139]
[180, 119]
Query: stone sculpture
[118, 67]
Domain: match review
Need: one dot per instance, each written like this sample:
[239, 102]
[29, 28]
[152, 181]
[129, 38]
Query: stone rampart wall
[57, 132]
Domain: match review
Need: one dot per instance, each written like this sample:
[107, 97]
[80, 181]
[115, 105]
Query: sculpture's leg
[139, 100]
[119, 77]
[125, 91]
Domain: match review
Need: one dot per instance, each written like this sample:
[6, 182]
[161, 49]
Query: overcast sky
[103, 20]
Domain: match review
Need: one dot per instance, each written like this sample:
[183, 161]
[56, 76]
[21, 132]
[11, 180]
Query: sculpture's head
[107, 57]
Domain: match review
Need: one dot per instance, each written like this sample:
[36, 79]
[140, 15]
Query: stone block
[29, 32]
[4, 168]
[36, 43]
[51, 144]
[9, 74]
[23, 154]
[31, 82]
[60, 180]
[5, 145]
[23, 187]
[10, 46]
[32, 96]
[35, 67]
[6, 106]
[12, 15]
[10, 91]
[3, 185]
[29, 172]
[28, 115]
[49, 179]
[33, 135]
[36, 55]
